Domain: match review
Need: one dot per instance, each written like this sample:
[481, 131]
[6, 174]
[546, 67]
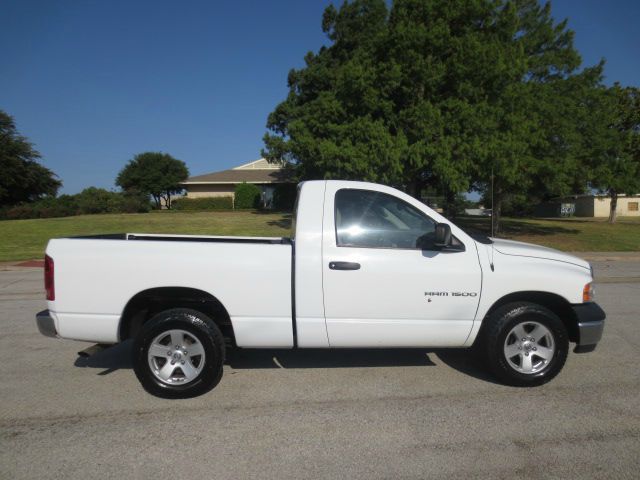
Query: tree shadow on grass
[260, 211]
[511, 227]
[118, 357]
[283, 222]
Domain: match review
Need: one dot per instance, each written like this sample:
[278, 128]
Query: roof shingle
[239, 176]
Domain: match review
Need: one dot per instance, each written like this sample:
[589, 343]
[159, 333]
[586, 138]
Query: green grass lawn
[26, 239]
[570, 234]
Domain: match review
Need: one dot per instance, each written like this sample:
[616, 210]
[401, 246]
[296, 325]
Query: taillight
[49, 285]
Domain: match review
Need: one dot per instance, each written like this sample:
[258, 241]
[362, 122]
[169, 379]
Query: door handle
[344, 266]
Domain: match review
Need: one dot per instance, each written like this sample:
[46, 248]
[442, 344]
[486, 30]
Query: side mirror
[443, 235]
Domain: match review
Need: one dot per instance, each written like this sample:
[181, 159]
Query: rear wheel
[525, 344]
[179, 354]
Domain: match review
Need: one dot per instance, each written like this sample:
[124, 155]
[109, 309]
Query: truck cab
[368, 271]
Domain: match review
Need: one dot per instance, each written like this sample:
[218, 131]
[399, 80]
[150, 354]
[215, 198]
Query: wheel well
[144, 305]
[558, 305]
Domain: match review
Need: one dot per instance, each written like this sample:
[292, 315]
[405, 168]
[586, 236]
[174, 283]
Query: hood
[521, 249]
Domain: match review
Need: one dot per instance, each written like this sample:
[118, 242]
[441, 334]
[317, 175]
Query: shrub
[65, 206]
[519, 205]
[205, 203]
[18, 212]
[284, 196]
[247, 195]
[96, 200]
[91, 200]
[132, 203]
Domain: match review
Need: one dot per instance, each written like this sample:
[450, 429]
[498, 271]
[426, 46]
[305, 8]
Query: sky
[92, 83]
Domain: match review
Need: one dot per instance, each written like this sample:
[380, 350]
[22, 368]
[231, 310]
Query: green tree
[615, 165]
[154, 173]
[335, 122]
[247, 195]
[22, 178]
[535, 141]
[437, 93]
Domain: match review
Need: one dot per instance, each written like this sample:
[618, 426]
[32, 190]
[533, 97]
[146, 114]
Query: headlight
[588, 293]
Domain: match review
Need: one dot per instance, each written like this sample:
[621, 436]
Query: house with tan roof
[222, 184]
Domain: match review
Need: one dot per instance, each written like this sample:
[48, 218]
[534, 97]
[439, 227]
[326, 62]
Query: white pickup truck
[367, 266]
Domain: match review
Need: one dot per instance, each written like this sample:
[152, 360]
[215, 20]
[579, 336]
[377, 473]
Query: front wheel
[525, 344]
[179, 354]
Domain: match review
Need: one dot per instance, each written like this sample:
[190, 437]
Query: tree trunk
[167, 201]
[414, 188]
[156, 199]
[496, 213]
[613, 212]
[449, 203]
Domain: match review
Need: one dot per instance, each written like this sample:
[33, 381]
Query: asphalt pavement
[319, 414]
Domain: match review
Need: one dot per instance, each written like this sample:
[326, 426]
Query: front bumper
[46, 324]
[590, 326]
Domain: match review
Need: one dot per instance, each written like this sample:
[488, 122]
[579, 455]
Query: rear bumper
[590, 326]
[46, 324]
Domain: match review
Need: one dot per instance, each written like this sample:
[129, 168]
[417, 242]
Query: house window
[632, 206]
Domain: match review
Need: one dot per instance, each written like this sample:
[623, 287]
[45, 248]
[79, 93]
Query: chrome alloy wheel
[529, 347]
[176, 357]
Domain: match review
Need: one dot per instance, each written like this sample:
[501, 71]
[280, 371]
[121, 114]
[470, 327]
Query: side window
[365, 218]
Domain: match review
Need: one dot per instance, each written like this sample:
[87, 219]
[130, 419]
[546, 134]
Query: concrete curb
[25, 265]
[21, 265]
[598, 280]
[608, 256]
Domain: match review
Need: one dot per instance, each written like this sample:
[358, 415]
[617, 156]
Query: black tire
[199, 326]
[501, 324]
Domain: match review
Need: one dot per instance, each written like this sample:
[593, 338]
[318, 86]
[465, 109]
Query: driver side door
[385, 283]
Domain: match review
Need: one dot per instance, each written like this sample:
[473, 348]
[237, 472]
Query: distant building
[478, 212]
[597, 206]
[222, 184]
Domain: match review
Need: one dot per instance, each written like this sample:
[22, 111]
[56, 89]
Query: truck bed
[98, 275]
[186, 238]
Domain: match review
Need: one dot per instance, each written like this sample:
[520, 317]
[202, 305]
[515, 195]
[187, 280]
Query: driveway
[319, 414]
